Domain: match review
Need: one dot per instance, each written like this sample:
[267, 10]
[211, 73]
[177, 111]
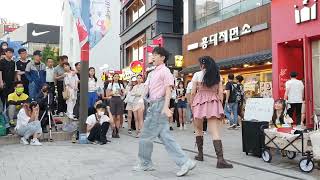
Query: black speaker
[253, 137]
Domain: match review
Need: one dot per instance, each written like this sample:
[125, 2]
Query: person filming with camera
[28, 124]
[45, 101]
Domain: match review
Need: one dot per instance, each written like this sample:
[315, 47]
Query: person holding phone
[28, 124]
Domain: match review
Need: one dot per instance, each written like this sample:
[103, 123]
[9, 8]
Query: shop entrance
[291, 58]
[316, 75]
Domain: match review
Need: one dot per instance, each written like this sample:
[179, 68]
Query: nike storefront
[296, 47]
[35, 36]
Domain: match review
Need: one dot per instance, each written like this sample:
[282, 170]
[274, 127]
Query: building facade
[149, 23]
[106, 52]
[296, 47]
[237, 34]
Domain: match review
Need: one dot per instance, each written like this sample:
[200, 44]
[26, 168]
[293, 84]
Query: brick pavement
[63, 160]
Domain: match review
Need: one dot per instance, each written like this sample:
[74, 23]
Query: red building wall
[291, 47]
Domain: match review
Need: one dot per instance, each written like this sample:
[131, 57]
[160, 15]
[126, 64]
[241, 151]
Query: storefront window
[208, 12]
[135, 10]
[256, 84]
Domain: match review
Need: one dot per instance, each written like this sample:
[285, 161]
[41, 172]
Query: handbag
[66, 94]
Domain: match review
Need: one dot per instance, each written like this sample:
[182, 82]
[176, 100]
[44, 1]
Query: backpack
[3, 129]
[236, 93]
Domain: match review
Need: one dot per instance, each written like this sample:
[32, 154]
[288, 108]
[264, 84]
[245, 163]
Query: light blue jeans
[30, 129]
[231, 108]
[156, 125]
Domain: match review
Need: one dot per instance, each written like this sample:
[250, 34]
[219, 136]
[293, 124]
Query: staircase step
[56, 136]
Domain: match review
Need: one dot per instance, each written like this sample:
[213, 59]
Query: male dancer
[159, 85]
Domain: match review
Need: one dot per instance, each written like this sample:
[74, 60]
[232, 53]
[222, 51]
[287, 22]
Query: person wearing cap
[8, 74]
[28, 124]
[36, 74]
[98, 124]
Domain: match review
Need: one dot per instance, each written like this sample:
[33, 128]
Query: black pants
[45, 120]
[62, 106]
[99, 132]
[205, 124]
[77, 106]
[295, 107]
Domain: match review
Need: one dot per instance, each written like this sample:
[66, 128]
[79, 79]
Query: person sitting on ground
[28, 124]
[98, 125]
[43, 98]
[15, 100]
[278, 113]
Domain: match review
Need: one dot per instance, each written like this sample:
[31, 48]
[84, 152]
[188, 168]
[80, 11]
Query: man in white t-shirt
[98, 125]
[295, 96]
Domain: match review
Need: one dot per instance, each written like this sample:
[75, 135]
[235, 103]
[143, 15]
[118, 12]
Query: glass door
[316, 75]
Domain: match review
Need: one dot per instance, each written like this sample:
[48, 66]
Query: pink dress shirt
[159, 79]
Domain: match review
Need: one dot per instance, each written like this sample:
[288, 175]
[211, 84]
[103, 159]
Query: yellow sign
[178, 60]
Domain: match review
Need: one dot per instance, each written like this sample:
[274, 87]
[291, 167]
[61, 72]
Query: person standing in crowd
[21, 65]
[93, 87]
[207, 103]
[156, 124]
[188, 96]
[8, 75]
[231, 102]
[138, 92]
[172, 106]
[36, 74]
[295, 96]
[116, 90]
[98, 125]
[77, 106]
[130, 101]
[71, 86]
[44, 97]
[28, 124]
[181, 104]
[59, 75]
[15, 102]
[50, 76]
[240, 98]
[3, 47]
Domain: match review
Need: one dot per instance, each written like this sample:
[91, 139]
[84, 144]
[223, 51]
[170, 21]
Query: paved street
[63, 160]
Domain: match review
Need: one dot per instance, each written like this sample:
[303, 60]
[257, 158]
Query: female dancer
[138, 91]
[206, 98]
[116, 90]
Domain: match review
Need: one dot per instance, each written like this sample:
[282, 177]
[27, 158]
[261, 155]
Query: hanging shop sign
[226, 36]
[306, 13]
[136, 67]
[178, 60]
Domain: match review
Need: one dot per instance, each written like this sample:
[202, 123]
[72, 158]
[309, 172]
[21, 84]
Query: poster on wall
[266, 89]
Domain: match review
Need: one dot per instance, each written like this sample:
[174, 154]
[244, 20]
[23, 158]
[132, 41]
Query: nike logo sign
[35, 34]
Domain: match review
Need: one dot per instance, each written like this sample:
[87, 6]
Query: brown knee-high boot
[199, 141]
[221, 162]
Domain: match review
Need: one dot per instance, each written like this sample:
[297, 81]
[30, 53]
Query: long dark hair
[180, 82]
[94, 76]
[212, 73]
[281, 118]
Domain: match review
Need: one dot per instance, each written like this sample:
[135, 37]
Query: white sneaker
[140, 168]
[181, 128]
[24, 141]
[35, 142]
[188, 166]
